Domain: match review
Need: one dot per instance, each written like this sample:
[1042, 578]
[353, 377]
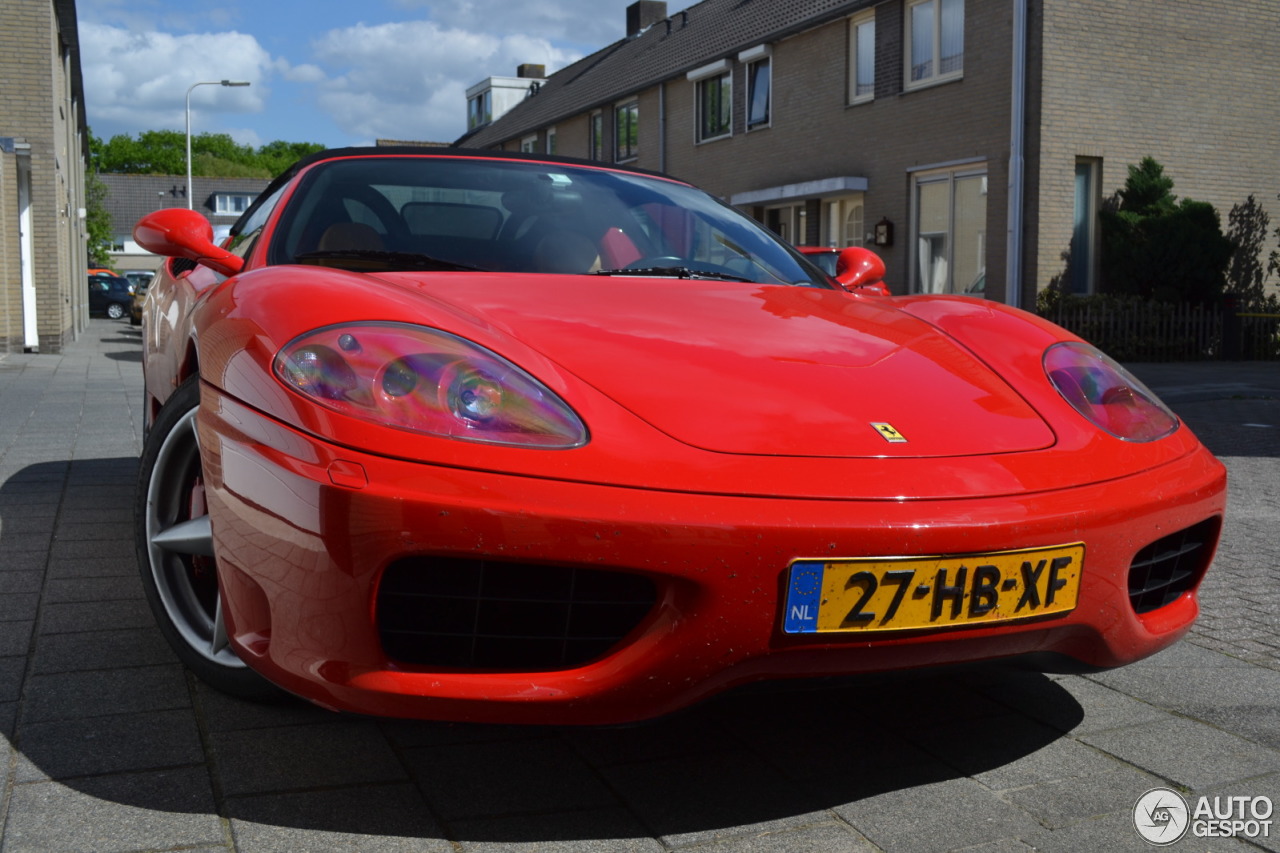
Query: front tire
[115, 310]
[174, 542]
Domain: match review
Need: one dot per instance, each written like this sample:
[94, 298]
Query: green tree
[1249, 229]
[1157, 247]
[1148, 191]
[213, 155]
[277, 156]
[1273, 260]
[97, 221]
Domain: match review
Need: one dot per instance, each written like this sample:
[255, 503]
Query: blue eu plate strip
[804, 593]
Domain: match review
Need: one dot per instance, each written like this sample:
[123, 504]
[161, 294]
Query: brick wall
[814, 134]
[36, 105]
[1192, 84]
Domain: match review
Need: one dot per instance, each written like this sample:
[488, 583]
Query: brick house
[976, 138]
[43, 154]
[130, 197]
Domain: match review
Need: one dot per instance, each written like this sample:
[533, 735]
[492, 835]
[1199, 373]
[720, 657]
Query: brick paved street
[1235, 409]
[110, 746]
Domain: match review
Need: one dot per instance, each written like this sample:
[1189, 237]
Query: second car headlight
[429, 381]
[1111, 397]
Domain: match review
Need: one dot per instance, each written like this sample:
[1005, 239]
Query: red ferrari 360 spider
[478, 436]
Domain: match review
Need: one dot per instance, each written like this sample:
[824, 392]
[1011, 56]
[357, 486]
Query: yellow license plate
[903, 594]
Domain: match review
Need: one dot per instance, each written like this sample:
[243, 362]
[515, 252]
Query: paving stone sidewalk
[108, 745]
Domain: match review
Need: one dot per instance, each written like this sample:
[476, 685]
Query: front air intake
[1169, 567]
[455, 613]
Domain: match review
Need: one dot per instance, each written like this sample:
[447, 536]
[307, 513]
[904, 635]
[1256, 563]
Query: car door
[98, 293]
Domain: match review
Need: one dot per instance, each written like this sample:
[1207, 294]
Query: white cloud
[305, 73]
[244, 136]
[140, 79]
[317, 74]
[581, 23]
[408, 80]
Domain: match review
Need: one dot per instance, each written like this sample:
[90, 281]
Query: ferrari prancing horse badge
[888, 433]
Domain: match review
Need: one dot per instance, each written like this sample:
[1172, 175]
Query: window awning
[804, 190]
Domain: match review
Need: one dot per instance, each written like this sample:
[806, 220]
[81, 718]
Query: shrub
[1156, 247]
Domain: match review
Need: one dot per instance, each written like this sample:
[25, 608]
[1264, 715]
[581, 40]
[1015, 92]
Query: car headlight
[1111, 397]
[427, 381]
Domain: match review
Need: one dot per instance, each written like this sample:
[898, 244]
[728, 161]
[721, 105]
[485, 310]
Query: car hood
[758, 369]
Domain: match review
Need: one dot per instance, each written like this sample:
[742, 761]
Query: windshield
[458, 213]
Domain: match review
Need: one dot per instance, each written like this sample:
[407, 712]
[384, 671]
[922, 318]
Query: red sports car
[483, 436]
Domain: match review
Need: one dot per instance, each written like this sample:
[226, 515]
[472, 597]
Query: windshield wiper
[385, 260]
[675, 272]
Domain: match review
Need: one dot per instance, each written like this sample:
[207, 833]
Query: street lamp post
[189, 90]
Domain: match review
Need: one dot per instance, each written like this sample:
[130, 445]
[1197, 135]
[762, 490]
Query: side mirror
[859, 268]
[180, 233]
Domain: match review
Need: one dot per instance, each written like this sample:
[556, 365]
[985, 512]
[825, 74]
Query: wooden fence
[1155, 331]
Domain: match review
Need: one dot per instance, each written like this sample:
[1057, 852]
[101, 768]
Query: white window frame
[854, 226]
[551, 140]
[935, 76]
[222, 206]
[838, 214]
[752, 58]
[719, 71]
[529, 144]
[949, 173]
[856, 23]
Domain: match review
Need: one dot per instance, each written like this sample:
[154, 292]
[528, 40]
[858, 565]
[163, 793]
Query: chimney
[530, 71]
[643, 14]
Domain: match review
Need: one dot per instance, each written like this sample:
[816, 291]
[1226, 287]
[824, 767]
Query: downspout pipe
[1017, 144]
[662, 125]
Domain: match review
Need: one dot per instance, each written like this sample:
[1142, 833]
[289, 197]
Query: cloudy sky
[337, 73]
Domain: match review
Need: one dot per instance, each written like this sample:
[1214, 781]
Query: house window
[626, 120]
[713, 100]
[529, 144]
[950, 230]
[232, 204]
[842, 222]
[862, 58]
[759, 84]
[596, 132]
[479, 110]
[551, 140]
[1084, 231]
[936, 42]
[853, 234]
[759, 63]
[715, 107]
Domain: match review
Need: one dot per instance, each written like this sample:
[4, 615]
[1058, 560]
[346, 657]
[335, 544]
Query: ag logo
[1161, 816]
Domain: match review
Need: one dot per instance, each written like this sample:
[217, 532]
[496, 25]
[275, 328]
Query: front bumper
[304, 531]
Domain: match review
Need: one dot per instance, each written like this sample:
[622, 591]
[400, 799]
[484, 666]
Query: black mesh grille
[479, 614]
[177, 266]
[1169, 567]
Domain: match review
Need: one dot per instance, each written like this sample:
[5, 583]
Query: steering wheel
[384, 210]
